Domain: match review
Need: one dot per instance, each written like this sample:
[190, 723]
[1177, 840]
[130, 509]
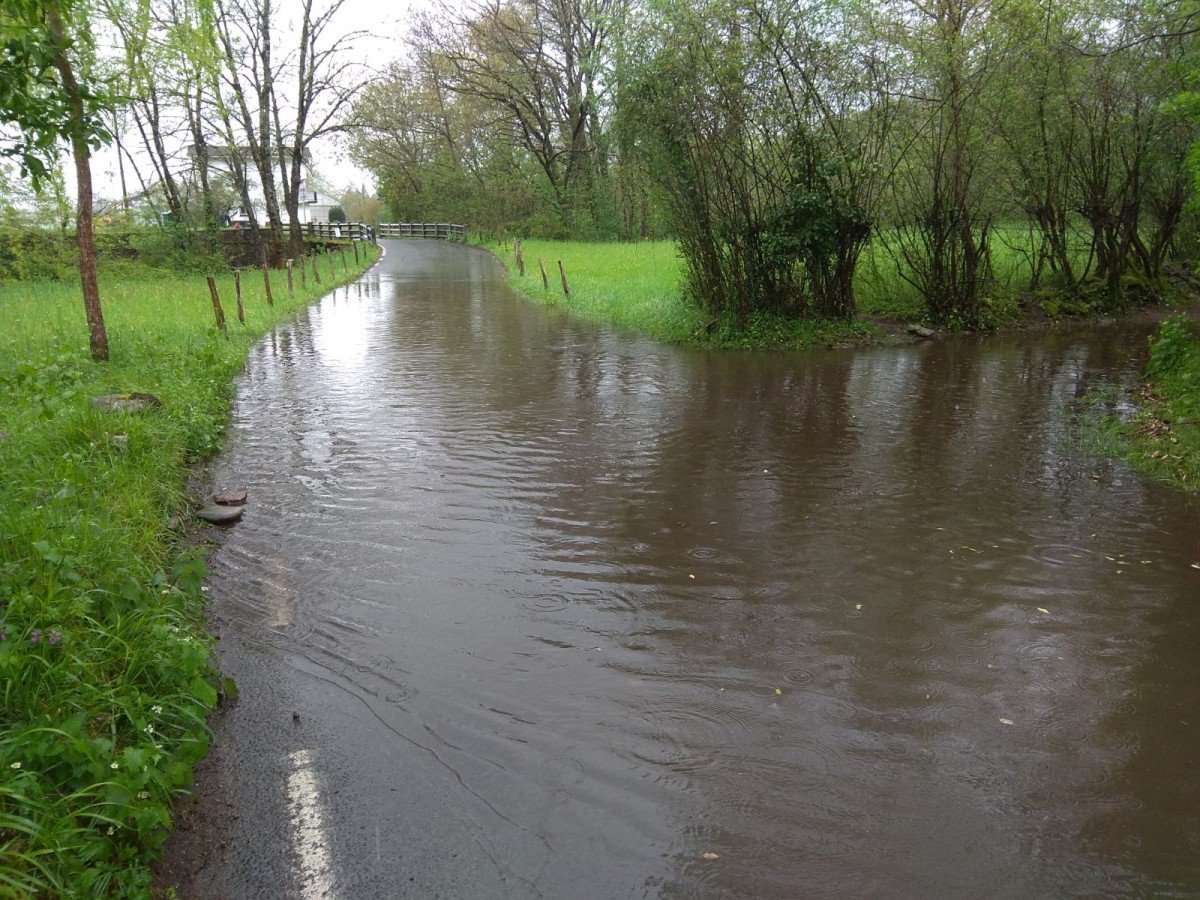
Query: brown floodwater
[568, 613]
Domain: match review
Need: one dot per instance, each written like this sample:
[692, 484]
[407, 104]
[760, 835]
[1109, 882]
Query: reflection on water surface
[859, 624]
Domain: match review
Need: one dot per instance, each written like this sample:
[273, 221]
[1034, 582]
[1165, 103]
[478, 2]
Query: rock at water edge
[220, 515]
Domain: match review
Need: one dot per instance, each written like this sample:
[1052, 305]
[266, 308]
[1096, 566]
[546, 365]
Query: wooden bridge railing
[353, 231]
[358, 231]
[434, 230]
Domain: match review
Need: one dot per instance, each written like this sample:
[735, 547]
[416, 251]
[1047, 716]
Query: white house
[314, 206]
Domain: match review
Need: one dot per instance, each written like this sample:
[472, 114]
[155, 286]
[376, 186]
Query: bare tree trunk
[98, 337]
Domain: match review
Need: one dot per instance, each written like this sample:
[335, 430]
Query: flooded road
[523, 607]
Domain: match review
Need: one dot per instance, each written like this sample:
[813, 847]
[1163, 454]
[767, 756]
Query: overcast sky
[385, 21]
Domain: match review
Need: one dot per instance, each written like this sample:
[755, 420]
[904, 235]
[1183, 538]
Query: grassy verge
[636, 286]
[1161, 434]
[104, 662]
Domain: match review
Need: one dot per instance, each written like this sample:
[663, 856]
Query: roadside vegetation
[640, 286]
[105, 677]
[637, 286]
[1157, 430]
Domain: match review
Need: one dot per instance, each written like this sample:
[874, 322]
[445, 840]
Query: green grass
[637, 286]
[1162, 435]
[105, 680]
[882, 291]
[633, 286]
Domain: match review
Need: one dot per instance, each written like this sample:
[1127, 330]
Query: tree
[41, 93]
[765, 123]
[537, 66]
[326, 85]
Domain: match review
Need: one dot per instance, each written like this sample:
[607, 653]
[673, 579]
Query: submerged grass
[638, 286]
[1157, 430]
[104, 662]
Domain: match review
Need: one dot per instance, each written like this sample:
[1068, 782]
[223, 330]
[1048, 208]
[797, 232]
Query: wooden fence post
[237, 289]
[304, 271]
[291, 282]
[216, 302]
[354, 244]
[345, 266]
[520, 260]
[563, 274]
[545, 280]
[267, 284]
[316, 271]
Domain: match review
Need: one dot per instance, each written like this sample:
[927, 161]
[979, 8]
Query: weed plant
[105, 679]
[1158, 430]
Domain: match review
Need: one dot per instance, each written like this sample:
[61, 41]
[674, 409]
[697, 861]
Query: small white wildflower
[157, 710]
[15, 765]
[149, 729]
[110, 830]
[113, 765]
[204, 589]
[166, 590]
[143, 795]
[158, 746]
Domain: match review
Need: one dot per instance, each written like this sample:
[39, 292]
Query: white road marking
[308, 829]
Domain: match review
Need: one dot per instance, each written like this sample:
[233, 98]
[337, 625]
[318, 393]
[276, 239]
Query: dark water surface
[563, 611]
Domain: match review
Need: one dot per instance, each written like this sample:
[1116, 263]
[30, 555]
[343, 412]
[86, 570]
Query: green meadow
[105, 677]
[637, 287]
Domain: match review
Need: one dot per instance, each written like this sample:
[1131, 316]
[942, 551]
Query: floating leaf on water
[778, 691]
[1196, 565]
[711, 855]
[693, 577]
[858, 606]
[1006, 721]
[1043, 609]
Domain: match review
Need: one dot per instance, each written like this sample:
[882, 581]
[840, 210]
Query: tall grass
[104, 661]
[1158, 431]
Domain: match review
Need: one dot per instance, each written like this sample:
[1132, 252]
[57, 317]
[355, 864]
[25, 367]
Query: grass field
[104, 661]
[637, 286]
